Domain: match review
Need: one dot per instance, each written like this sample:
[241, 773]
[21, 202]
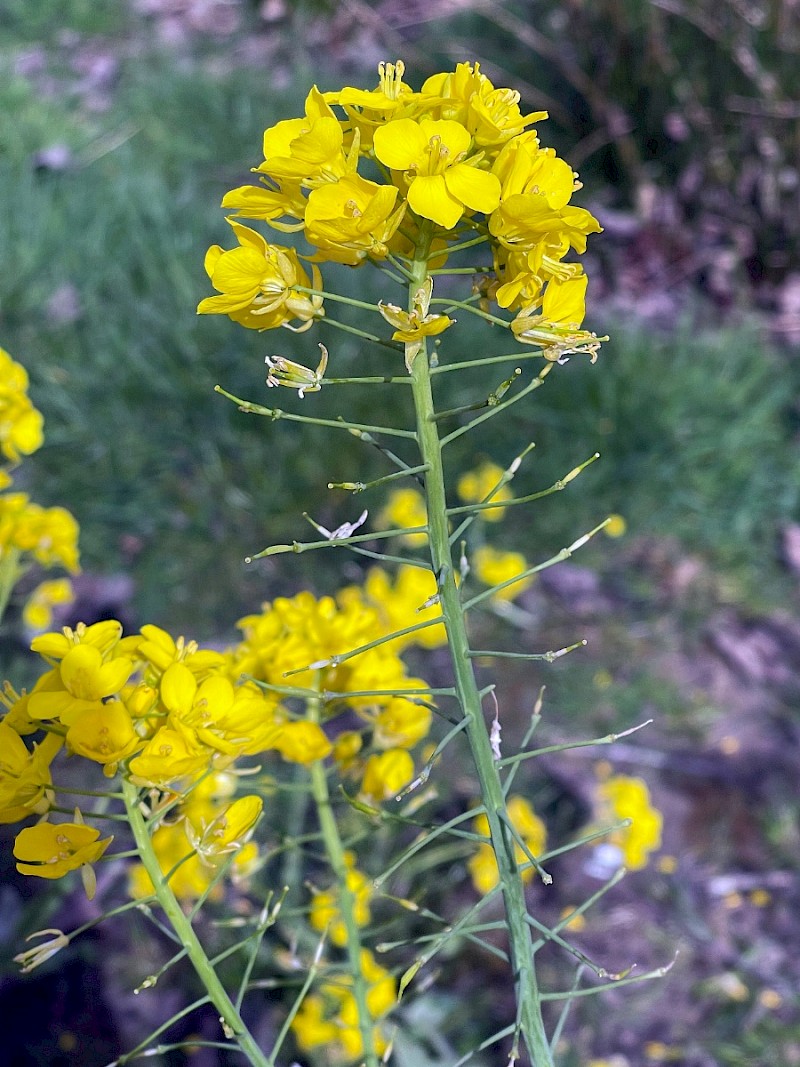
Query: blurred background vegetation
[125, 122]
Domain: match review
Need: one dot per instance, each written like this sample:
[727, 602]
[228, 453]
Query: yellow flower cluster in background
[329, 1018]
[405, 509]
[21, 424]
[483, 866]
[622, 797]
[493, 567]
[483, 484]
[362, 174]
[29, 534]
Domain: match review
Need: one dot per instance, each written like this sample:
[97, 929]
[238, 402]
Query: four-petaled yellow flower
[353, 218]
[261, 284]
[443, 179]
[51, 850]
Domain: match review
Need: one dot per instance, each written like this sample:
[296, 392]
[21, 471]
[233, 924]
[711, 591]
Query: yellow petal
[239, 272]
[178, 689]
[400, 143]
[428, 196]
[565, 301]
[477, 189]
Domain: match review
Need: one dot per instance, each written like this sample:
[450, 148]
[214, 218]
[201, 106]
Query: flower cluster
[405, 511]
[361, 714]
[621, 797]
[173, 717]
[29, 534]
[162, 710]
[329, 1018]
[20, 423]
[326, 913]
[374, 175]
[206, 828]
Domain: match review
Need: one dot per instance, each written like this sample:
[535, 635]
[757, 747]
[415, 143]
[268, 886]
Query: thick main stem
[529, 1005]
[231, 1020]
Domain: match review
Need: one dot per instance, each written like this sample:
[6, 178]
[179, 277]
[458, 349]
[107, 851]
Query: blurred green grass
[696, 430]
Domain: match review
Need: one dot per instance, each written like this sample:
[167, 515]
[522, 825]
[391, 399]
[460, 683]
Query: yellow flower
[100, 635]
[346, 748]
[312, 1026]
[491, 115]
[412, 327]
[16, 715]
[482, 484]
[51, 850]
[167, 757]
[250, 723]
[229, 830]
[352, 218]
[556, 329]
[189, 879]
[483, 866]
[82, 681]
[433, 155]
[409, 600]
[260, 283]
[330, 1018]
[50, 535]
[160, 649]
[367, 110]
[401, 724]
[385, 774]
[295, 632]
[25, 776]
[104, 734]
[615, 527]
[577, 923]
[195, 846]
[37, 613]
[405, 508]
[308, 150]
[494, 567]
[20, 422]
[621, 798]
[302, 742]
[325, 912]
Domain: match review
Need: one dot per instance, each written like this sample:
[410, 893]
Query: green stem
[347, 901]
[278, 413]
[10, 573]
[513, 890]
[230, 1018]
